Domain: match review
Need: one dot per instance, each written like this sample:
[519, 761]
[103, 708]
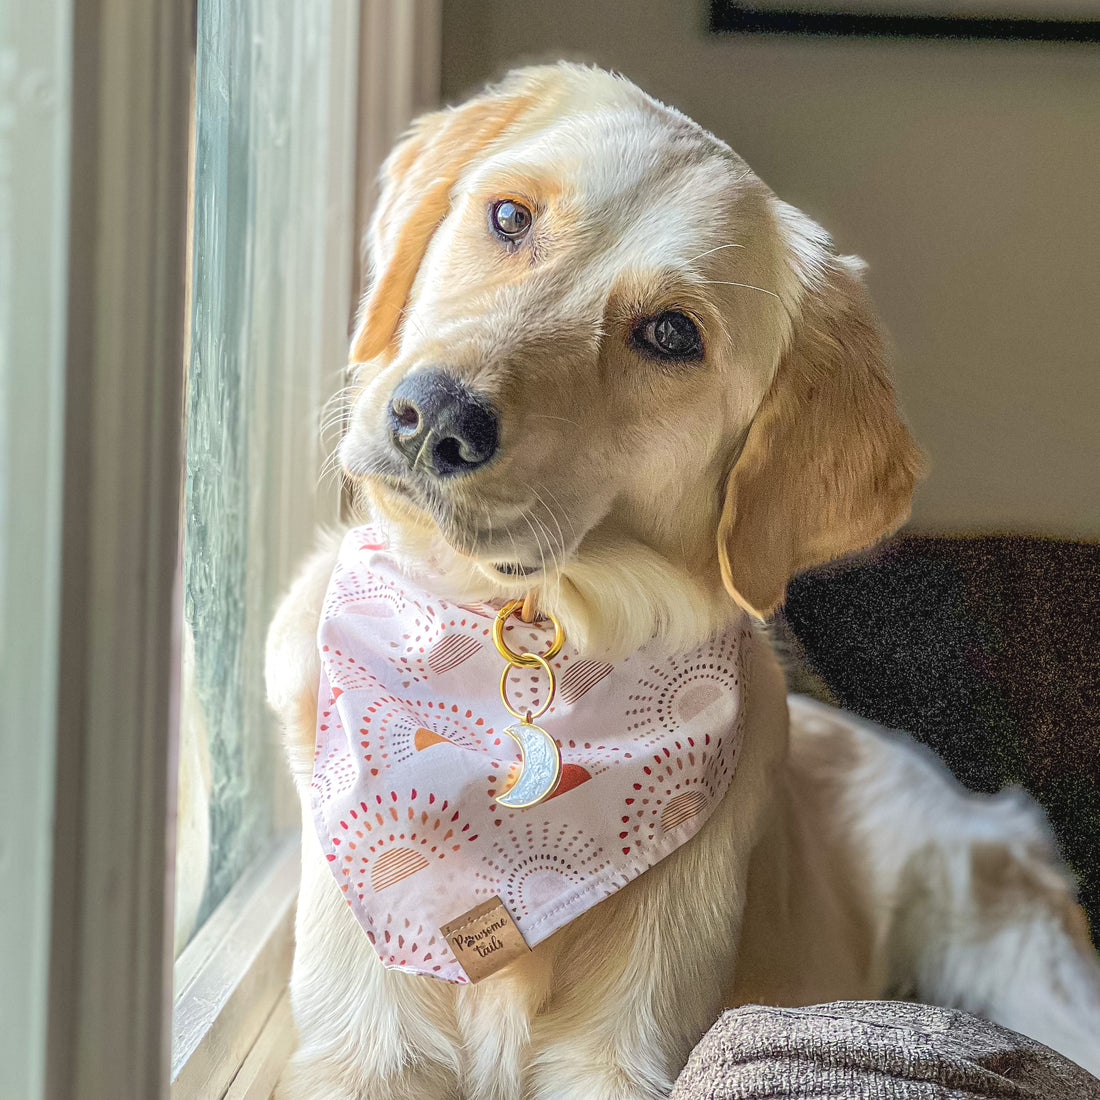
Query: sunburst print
[358, 593]
[334, 768]
[400, 942]
[580, 678]
[676, 785]
[435, 643]
[700, 689]
[392, 730]
[377, 844]
[529, 865]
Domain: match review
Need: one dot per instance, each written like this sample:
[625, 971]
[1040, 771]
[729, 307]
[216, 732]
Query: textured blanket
[874, 1050]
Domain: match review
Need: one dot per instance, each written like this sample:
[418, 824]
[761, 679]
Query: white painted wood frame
[110, 968]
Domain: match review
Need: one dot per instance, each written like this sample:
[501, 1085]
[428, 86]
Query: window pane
[271, 271]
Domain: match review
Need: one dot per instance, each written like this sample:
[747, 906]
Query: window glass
[270, 285]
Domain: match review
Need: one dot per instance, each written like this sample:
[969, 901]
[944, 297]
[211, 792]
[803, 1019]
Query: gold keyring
[528, 715]
[524, 660]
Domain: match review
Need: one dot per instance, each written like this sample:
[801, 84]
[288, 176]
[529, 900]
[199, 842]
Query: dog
[664, 394]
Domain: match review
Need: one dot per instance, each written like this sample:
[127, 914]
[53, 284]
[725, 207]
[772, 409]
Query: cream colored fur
[843, 862]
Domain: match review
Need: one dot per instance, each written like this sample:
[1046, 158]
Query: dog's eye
[510, 219]
[671, 335]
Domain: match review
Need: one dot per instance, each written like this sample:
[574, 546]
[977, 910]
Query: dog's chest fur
[642, 974]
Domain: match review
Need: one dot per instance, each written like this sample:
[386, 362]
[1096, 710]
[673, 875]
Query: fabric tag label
[484, 939]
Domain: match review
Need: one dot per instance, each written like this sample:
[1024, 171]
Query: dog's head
[599, 358]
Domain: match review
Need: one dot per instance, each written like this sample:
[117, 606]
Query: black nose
[437, 422]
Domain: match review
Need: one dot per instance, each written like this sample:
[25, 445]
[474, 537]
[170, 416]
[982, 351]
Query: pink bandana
[411, 752]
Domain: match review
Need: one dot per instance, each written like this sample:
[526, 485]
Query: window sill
[260, 1073]
[231, 1026]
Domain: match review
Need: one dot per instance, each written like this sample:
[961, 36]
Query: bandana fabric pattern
[411, 752]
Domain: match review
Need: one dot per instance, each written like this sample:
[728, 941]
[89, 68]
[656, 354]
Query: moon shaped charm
[539, 766]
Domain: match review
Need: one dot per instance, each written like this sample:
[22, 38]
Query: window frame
[35, 45]
[107, 653]
[107, 1031]
[218, 1043]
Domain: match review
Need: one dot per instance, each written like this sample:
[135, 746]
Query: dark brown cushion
[986, 649]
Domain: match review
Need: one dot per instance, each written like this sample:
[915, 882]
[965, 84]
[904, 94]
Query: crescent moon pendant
[539, 766]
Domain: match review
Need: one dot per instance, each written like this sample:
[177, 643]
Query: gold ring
[528, 715]
[524, 660]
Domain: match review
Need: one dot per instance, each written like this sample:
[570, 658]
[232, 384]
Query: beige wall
[968, 175]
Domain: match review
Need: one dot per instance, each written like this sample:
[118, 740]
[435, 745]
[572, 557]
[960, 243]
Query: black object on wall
[985, 649]
[731, 16]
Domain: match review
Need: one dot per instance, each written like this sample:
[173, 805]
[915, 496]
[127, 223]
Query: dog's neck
[612, 598]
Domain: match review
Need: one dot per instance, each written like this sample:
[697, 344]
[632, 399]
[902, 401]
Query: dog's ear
[416, 184]
[827, 466]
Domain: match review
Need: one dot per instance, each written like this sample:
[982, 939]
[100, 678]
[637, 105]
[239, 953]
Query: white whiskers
[747, 286]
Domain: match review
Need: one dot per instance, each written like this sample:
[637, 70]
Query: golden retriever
[690, 405]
